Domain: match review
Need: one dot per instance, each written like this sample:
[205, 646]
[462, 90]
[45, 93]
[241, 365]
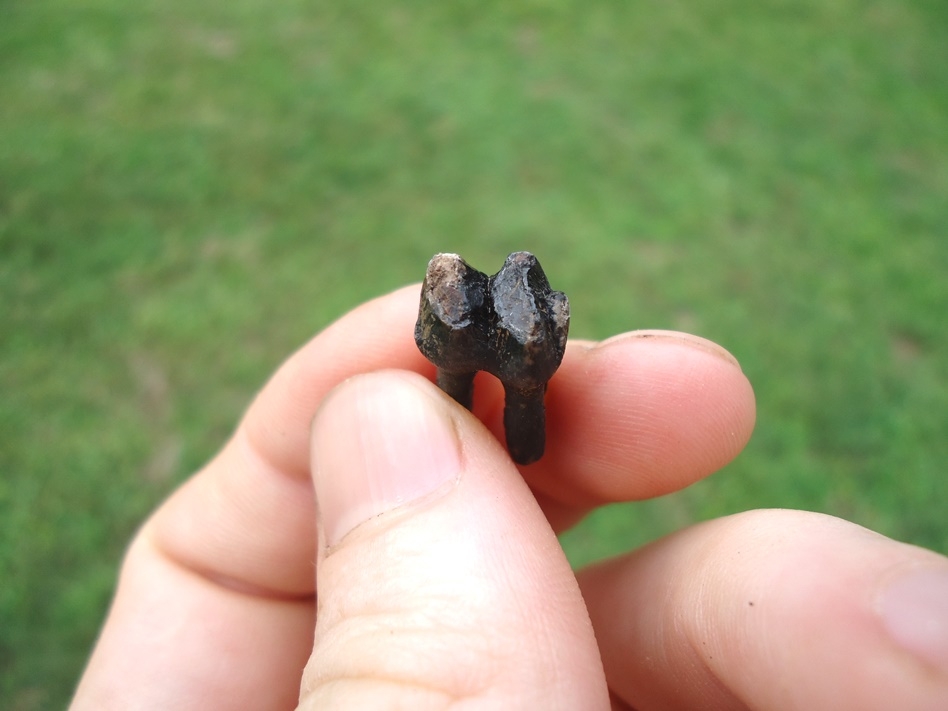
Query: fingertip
[643, 414]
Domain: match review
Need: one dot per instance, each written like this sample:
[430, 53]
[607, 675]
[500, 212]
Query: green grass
[188, 191]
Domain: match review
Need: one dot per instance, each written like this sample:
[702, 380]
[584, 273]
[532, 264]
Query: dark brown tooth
[512, 325]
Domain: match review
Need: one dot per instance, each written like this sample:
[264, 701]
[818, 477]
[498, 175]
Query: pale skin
[363, 542]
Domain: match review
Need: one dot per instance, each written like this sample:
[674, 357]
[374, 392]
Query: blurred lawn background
[188, 191]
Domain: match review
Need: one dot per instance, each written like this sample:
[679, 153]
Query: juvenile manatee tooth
[512, 324]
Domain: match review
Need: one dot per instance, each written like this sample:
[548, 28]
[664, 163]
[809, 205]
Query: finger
[640, 415]
[439, 579]
[774, 610]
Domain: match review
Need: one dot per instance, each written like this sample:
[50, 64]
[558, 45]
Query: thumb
[439, 580]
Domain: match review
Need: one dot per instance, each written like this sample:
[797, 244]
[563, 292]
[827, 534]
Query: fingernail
[685, 339]
[380, 441]
[914, 610]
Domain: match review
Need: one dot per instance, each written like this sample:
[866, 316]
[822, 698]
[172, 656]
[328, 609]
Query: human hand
[436, 579]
